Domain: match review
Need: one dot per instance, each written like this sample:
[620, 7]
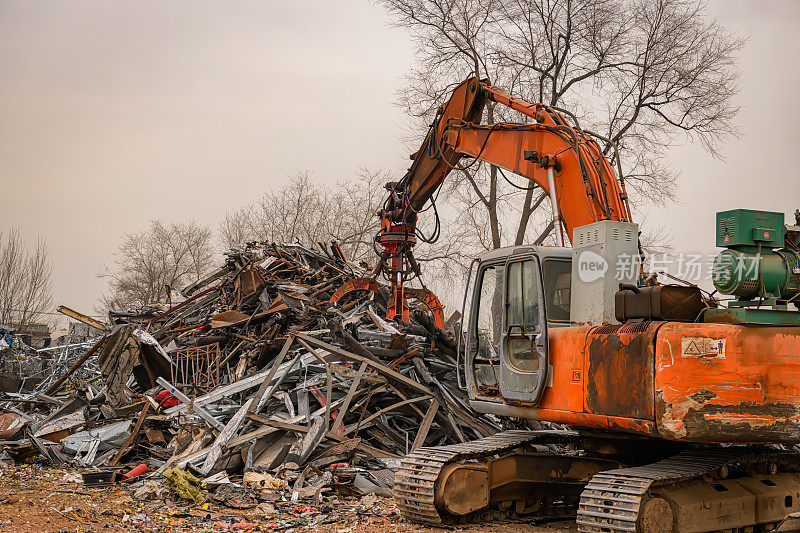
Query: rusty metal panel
[247, 283]
[564, 398]
[620, 362]
[728, 383]
[196, 367]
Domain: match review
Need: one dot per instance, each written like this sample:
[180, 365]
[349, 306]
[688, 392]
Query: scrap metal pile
[253, 387]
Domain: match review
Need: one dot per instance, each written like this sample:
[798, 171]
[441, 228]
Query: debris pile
[252, 390]
[29, 363]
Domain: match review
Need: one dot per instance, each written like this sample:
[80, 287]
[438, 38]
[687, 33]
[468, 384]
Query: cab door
[523, 343]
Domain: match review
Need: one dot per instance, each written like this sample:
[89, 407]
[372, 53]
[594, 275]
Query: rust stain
[703, 396]
[620, 375]
[751, 395]
[700, 421]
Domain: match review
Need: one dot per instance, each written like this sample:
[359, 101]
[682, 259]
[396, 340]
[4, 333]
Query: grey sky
[116, 112]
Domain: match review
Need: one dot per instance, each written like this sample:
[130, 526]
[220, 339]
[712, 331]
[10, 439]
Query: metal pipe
[551, 184]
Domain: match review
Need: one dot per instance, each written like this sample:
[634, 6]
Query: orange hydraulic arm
[562, 159]
[586, 188]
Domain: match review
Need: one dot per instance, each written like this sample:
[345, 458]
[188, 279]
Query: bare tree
[164, 254]
[643, 73]
[307, 211]
[25, 281]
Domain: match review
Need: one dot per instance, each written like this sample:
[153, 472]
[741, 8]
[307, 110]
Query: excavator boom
[587, 188]
[565, 161]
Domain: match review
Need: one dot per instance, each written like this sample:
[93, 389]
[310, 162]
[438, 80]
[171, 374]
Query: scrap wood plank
[328, 381]
[340, 448]
[276, 425]
[425, 427]
[256, 405]
[310, 441]
[349, 429]
[224, 436]
[279, 424]
[384, 370]
[347, 372]
[183, 459]
[303, 406]
[290, 424]
[132, 437]
[349, 398]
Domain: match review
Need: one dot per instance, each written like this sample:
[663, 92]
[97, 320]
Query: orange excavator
[668, 411]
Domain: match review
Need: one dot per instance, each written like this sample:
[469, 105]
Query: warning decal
[705, 347]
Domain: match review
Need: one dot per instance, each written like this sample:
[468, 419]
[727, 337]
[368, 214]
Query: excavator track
[416, 477]
[620, 500]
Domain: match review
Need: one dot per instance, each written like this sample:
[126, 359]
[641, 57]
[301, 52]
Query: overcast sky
[116, 112]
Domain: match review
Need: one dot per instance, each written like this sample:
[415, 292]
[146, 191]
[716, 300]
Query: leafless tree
[307, 211]
[164, 254]
[25, 281]
[643, 73]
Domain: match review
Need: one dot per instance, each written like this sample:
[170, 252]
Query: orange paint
[752, 394]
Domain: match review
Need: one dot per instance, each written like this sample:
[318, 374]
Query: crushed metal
[252, 390]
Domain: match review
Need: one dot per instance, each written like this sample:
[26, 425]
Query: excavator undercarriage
[550, 475]
[503, 473]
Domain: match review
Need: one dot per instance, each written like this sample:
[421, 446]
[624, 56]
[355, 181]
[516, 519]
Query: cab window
[522, 297]
[489, 314]
[522, 316]
[557, 275]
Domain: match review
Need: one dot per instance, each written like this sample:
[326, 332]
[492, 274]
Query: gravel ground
[46, 500]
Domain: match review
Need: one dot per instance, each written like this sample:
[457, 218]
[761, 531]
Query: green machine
[760, 266]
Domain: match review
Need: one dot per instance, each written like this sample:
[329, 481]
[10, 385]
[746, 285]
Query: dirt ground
[44, 500]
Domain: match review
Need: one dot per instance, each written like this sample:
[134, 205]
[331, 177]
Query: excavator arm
[586, 187]
[562, 159]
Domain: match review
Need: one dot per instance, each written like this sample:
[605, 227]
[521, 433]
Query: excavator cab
[518, 294]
